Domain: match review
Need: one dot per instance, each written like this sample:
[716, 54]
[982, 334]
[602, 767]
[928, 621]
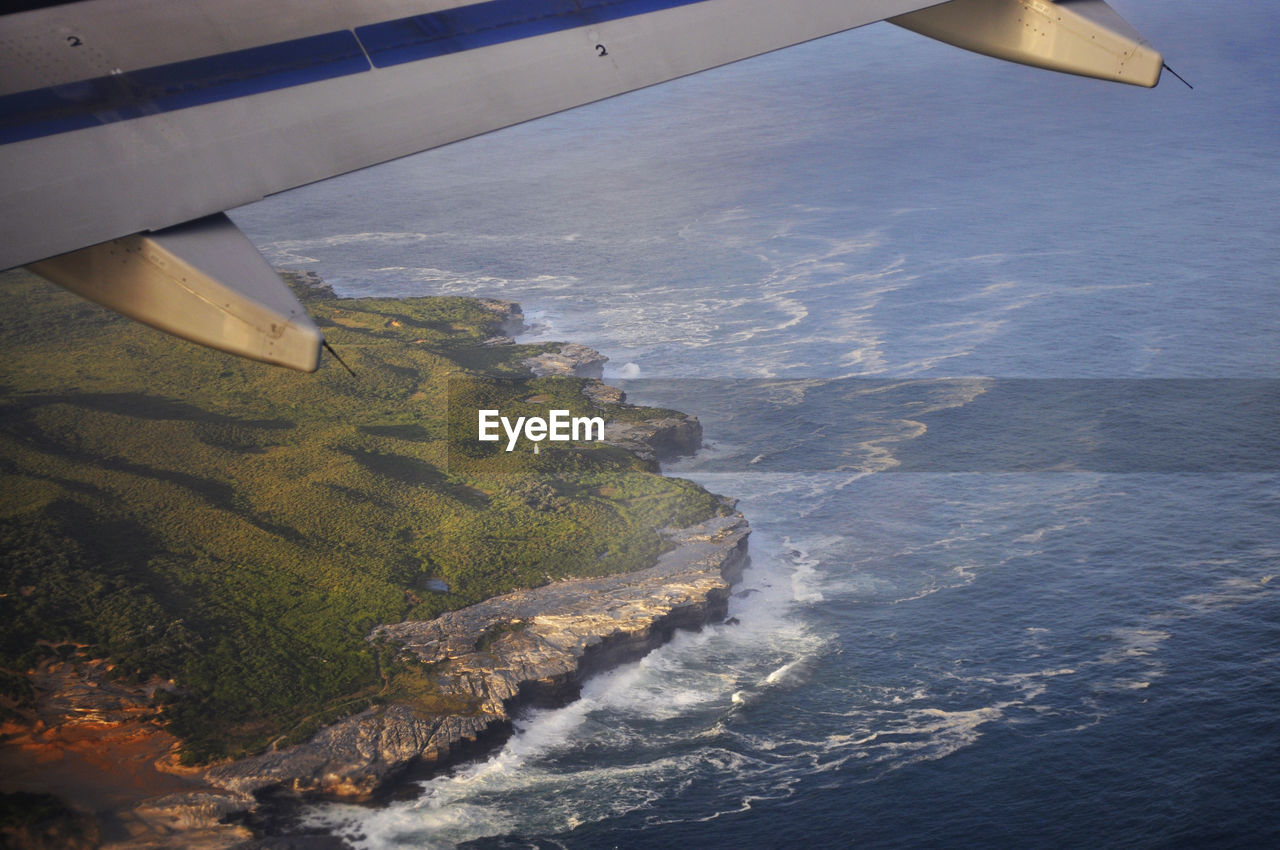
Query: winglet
[1083, 37]
[203, 281]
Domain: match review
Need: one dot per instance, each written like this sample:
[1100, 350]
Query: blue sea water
[989, 358]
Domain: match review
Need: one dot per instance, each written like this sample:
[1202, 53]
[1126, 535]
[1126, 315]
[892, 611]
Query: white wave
[911, 736]
[806, 581]
[666, 684]
[492, 797]
[615, 715]
[1135, 642]
[1135, 656]
[639, 716]
[293, 252]
[453, 808]
[1232, 592]
[534, 799]
[792, 673]
[430, 827]
[1038, 535]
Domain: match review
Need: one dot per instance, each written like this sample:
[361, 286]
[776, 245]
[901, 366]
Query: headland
[226, 584]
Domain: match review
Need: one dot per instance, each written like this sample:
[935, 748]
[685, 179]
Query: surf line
[557, 426]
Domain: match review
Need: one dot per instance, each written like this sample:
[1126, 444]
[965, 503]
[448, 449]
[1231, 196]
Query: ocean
[988, 357]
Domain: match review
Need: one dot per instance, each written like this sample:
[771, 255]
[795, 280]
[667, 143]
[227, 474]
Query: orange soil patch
[93, 742]
[92, 766]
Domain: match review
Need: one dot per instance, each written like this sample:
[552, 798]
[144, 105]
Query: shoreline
[367, 758]
[569, 631]
[482, 665]
[526, 649]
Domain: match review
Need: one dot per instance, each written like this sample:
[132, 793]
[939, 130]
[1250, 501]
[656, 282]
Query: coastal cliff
[530, 648]
[494, 659]
[527, 648]
[199, 552]
[490, 661]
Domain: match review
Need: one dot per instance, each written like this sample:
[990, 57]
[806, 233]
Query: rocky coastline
[90, 761]
[490, 662]
[530, 648]
[653, 439]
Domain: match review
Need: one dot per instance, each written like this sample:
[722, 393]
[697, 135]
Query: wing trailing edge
[203, 281]
[1085, 37]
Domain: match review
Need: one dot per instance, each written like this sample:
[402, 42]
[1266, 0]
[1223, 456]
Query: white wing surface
[121, 119]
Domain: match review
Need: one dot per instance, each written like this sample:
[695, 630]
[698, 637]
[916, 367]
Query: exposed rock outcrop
[198, 820]
[600, 394]
[571, 359]
[657, 439]
[508, 317]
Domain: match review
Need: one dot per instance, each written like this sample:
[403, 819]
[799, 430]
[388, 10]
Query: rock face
[572, 359]
[531, 647]
[657, 439]
[192, 821]
[508, 316]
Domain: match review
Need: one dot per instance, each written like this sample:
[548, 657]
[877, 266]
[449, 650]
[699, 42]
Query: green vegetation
[240, 528]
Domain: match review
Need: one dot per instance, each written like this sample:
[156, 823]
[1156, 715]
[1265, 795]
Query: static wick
[329, 348]
[1179, 76]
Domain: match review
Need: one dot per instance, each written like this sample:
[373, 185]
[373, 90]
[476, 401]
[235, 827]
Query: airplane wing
[127, 127]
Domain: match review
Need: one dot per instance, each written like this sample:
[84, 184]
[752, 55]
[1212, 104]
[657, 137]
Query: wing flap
[203, 281]
[1083, 37]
